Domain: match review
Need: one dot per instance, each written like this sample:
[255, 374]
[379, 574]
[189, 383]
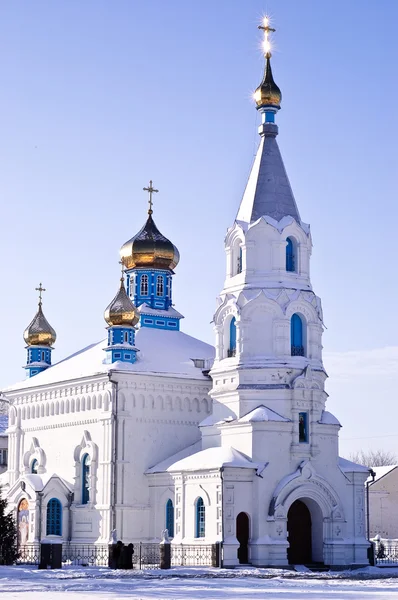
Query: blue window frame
[296, 335]
[290, 257]
[170, 517]
[232, 337]
[200, 518]
[144, 285]
[34, 467]
[54, 517]
[303, 428]
[159, 285]
[85, 479]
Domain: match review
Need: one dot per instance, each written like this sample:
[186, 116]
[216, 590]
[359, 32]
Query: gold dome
[121, 311]
[149, 249]
[268, 93]
[39, 332]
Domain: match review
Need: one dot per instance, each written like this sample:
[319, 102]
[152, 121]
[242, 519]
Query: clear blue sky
[98, 97]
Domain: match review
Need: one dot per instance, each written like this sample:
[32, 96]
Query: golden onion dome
[39, 332]
[268, 93]
[149, 249]
[121, 311]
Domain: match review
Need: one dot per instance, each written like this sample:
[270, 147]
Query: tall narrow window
[159, 286]
[290, 257]
[239, 261]
[144, 285]
[170, 517]
[131, 284]
[54, 517]
[232, 338]
[85, 479]
[303, 428]
[296, 335]
[200, 518]
[126, 337]
[34, 466]
[43, 356]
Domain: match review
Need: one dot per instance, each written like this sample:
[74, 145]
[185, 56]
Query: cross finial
[40, 289]
[150, 189]
[122, 269]
[267, 30]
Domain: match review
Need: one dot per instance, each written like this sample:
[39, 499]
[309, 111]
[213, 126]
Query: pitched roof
[268, 191]
[262, 413]
[211, 458]
[168, 353]
[381, 472]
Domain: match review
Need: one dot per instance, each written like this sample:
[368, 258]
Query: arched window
[290, 255]
[34, 467]
[85, 479]
[159, 286]
[296, 335]
[200, 518]
[144, 285]
[170, 517]
[54, 517]
[239, 261]
[232, 338]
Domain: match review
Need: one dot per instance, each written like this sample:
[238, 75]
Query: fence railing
[85, 555]
[385, 551]
[28, 554]
[145, 556]
[197, 555]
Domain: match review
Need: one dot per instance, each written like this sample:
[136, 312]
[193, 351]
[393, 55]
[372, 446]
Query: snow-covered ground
[23, 583]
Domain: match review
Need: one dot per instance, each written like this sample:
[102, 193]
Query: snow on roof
[262, 413]
[211, 458]
[328, 419]
[347, 466]
[170, 312]
[380, 472]
[160, 352]
[3, 424]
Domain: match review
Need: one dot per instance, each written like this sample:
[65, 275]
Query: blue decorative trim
[38, 359]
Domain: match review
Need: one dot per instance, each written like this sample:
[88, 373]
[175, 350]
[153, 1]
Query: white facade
[247, 457]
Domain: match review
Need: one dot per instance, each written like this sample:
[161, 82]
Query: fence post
[216, 554]
[165, 551]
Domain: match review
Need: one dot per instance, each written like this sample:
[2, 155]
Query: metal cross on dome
[122, 270]
[267, 30]
[40, 289]
[151, 190]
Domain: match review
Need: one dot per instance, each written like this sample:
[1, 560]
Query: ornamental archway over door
[242, 534]
[299, 534]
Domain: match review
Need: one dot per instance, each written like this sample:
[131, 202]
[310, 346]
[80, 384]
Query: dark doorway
[242, 534]
[299, 534]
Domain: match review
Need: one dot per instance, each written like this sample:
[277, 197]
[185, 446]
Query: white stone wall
[383, 506]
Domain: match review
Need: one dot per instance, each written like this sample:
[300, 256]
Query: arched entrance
[242, 534]
[299, 534]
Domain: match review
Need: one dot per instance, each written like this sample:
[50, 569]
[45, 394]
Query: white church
[152, 429]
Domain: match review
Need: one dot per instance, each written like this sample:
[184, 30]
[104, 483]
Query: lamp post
[372, 475]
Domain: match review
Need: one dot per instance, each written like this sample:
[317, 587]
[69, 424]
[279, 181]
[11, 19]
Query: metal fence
[28, 554]
[385, 552]
[85, 555]
[197, 555]
[146, 556]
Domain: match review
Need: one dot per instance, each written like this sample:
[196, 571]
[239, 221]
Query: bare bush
[374, 458]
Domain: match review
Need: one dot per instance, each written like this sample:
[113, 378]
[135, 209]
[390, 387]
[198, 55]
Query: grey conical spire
[268, 191]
